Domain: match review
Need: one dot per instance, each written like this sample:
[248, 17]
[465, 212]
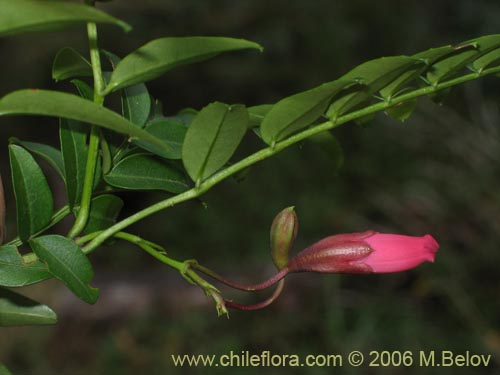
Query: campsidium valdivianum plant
[103, 152]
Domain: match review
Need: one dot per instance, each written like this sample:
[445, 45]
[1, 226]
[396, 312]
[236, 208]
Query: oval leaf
[104, 211]
[66, 261]
[14, 272]
[59, 104]
[21, 16]
[296, 112]
[73, 138]
[68, 63]
[48, 153]
[144, 172]
[136, 104]
[136, 101]
[34, 203]
[18, 310]
[170, 132]
[161, 55]
[212, 138]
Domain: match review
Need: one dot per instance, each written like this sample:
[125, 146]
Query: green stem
[279, 146]
[184, 268]
[93, 151]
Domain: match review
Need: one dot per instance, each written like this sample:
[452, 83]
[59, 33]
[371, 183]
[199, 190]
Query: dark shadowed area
[436, 173]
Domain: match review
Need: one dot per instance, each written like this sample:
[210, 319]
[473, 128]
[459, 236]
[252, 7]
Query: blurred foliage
[437, 173]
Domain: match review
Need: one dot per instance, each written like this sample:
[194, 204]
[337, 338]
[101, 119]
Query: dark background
[437, 173]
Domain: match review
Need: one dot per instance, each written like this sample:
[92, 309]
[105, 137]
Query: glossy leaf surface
[34, 203]
[298, 111]
[66, 261]
[58, 104]
[18, 310]
[170, 132]
[212, 138]
[48, 153]
[144, 172]
[21, 16]
[161, 55]
[73, 138]
[374, 75]
[68, 63]
[104, 210]
[14, 272]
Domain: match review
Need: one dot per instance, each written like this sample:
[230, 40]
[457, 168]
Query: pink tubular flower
[365, 252]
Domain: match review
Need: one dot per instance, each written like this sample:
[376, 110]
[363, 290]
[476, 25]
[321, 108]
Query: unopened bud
[283, 232]
[366, 252]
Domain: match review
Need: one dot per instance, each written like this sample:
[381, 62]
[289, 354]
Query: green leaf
[84, 90]
[485, 61]
[144, 172]
[68, 63]
[374, 75]
[185, 116]
[296, 112]
[136, 104]
[48, 153]
[429, 57]
[58, 104]
[104, 211]
[432, 55]
[73, 138]
[257, 113]
[34, 203]
[161, 55]
[18, 310]
[136, 101]
[170, 132]
[14, 272]
[451, 66]
[66, 261]
[212, 139]
[21, 16]
[402, 111]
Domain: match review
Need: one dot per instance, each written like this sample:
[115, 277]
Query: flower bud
[283, 232]
[366, 252]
